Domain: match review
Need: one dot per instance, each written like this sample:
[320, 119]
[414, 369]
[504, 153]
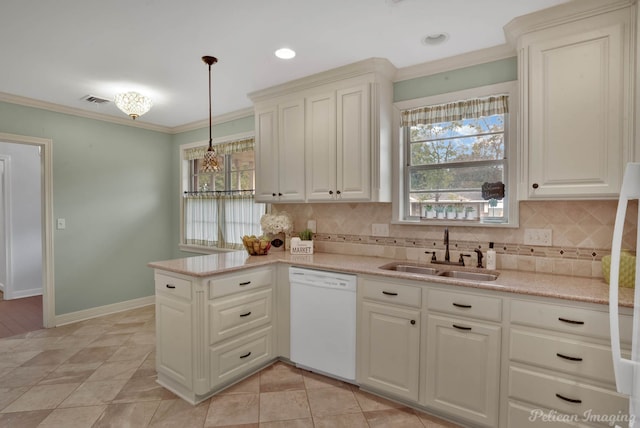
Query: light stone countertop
[592, 290]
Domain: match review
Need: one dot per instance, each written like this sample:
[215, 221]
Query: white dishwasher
[323, 322]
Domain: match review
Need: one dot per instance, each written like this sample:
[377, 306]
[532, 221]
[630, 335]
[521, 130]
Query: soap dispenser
[491, 257]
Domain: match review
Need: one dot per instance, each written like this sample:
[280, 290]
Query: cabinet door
[577, 114]
[463, 368]
[390, 349]
[353, 143]
[290, 166]
[266, 153]
[320, 141]
[173, 339]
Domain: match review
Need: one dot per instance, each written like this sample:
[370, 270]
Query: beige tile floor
[101, 373]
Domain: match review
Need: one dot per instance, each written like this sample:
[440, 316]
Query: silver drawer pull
[566, 357]
[570, 400]
[568, 321]
[459, 327]
[389, 293]
[460, 305]
[242, 284]
[171, 286]
[245, 355]
[245, 315]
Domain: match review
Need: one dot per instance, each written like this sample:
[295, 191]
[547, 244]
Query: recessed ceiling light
[435, 39]
[285, 53]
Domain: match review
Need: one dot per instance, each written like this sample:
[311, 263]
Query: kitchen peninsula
[528, 340]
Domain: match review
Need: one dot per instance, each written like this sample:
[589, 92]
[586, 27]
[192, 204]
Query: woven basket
[627, 276]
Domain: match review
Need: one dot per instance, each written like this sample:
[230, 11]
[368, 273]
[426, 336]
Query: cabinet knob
[273, 194]
[535, 185]
[338, 192]
[279, 194]
[331, 192]
[413, 322]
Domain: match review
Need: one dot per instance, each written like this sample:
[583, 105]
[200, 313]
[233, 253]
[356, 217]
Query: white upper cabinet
[280, 152]
[576, 100]
[344, 120]
[339, 144]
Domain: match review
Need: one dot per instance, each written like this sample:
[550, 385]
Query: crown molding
[227, 117]
[44, 105]
[380, 66]
[560, 14]
[467, 59]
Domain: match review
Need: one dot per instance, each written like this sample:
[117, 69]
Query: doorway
[43, 147]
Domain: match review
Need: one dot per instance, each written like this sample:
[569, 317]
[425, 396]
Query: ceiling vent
[94, 99]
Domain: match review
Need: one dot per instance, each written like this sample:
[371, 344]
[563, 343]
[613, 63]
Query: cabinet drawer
[238, 282]
[239, 357]
[523, 416]
[468, 305]
[565, 395]
[239, 313]
[173, 286]
[565, 355]
[568, 319]
[391, 293]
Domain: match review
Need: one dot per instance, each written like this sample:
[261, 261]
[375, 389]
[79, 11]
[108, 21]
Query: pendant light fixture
[210, 162]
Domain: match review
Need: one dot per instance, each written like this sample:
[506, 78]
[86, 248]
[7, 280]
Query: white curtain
[220, 219]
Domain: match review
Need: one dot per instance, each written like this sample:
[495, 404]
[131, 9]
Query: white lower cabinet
[390, 349]
[173, 341]
[463, 368]
[389, 338]
[211, 332]
[463, 348]
[560, 365]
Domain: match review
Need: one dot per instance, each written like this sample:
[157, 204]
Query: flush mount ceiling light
[435, 39]
[285, 53]
[133, 104]
[210, 162]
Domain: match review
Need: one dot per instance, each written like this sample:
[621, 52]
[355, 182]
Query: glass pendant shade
[133, 103]
[210, 162]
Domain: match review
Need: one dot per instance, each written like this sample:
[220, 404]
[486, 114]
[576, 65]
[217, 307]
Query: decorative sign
[493, 190]
[301, 247]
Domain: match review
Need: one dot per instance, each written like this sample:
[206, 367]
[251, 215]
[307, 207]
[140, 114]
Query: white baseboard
[22, 293]
[86, 314]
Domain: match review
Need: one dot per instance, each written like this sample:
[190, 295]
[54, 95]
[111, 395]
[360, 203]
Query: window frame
[185, 178]
[512, 154]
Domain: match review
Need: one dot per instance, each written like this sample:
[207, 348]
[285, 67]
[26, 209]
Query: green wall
[489, 73]
[112, 185]
[118, 187]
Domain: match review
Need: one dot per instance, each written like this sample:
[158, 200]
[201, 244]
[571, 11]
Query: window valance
[467, 109]
[228, 148]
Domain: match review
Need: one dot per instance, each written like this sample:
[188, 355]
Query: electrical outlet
[540, 237]
[380, 229]
[61, 224]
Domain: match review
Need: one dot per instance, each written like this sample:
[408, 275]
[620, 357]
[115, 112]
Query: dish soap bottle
[491, 257]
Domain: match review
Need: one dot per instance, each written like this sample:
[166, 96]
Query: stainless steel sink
[472, 275]
[415, 269]
[475, 276]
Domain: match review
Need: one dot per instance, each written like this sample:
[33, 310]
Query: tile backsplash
[581, 235]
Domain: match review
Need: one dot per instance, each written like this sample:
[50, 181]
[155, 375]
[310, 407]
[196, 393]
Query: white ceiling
[60, 51]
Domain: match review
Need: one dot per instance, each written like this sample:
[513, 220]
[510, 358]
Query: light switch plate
[311, 225]
[541, 237]
[380, 229]
[61, 224]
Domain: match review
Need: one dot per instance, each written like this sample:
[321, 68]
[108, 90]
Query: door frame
[6, 224]
[46, 170]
